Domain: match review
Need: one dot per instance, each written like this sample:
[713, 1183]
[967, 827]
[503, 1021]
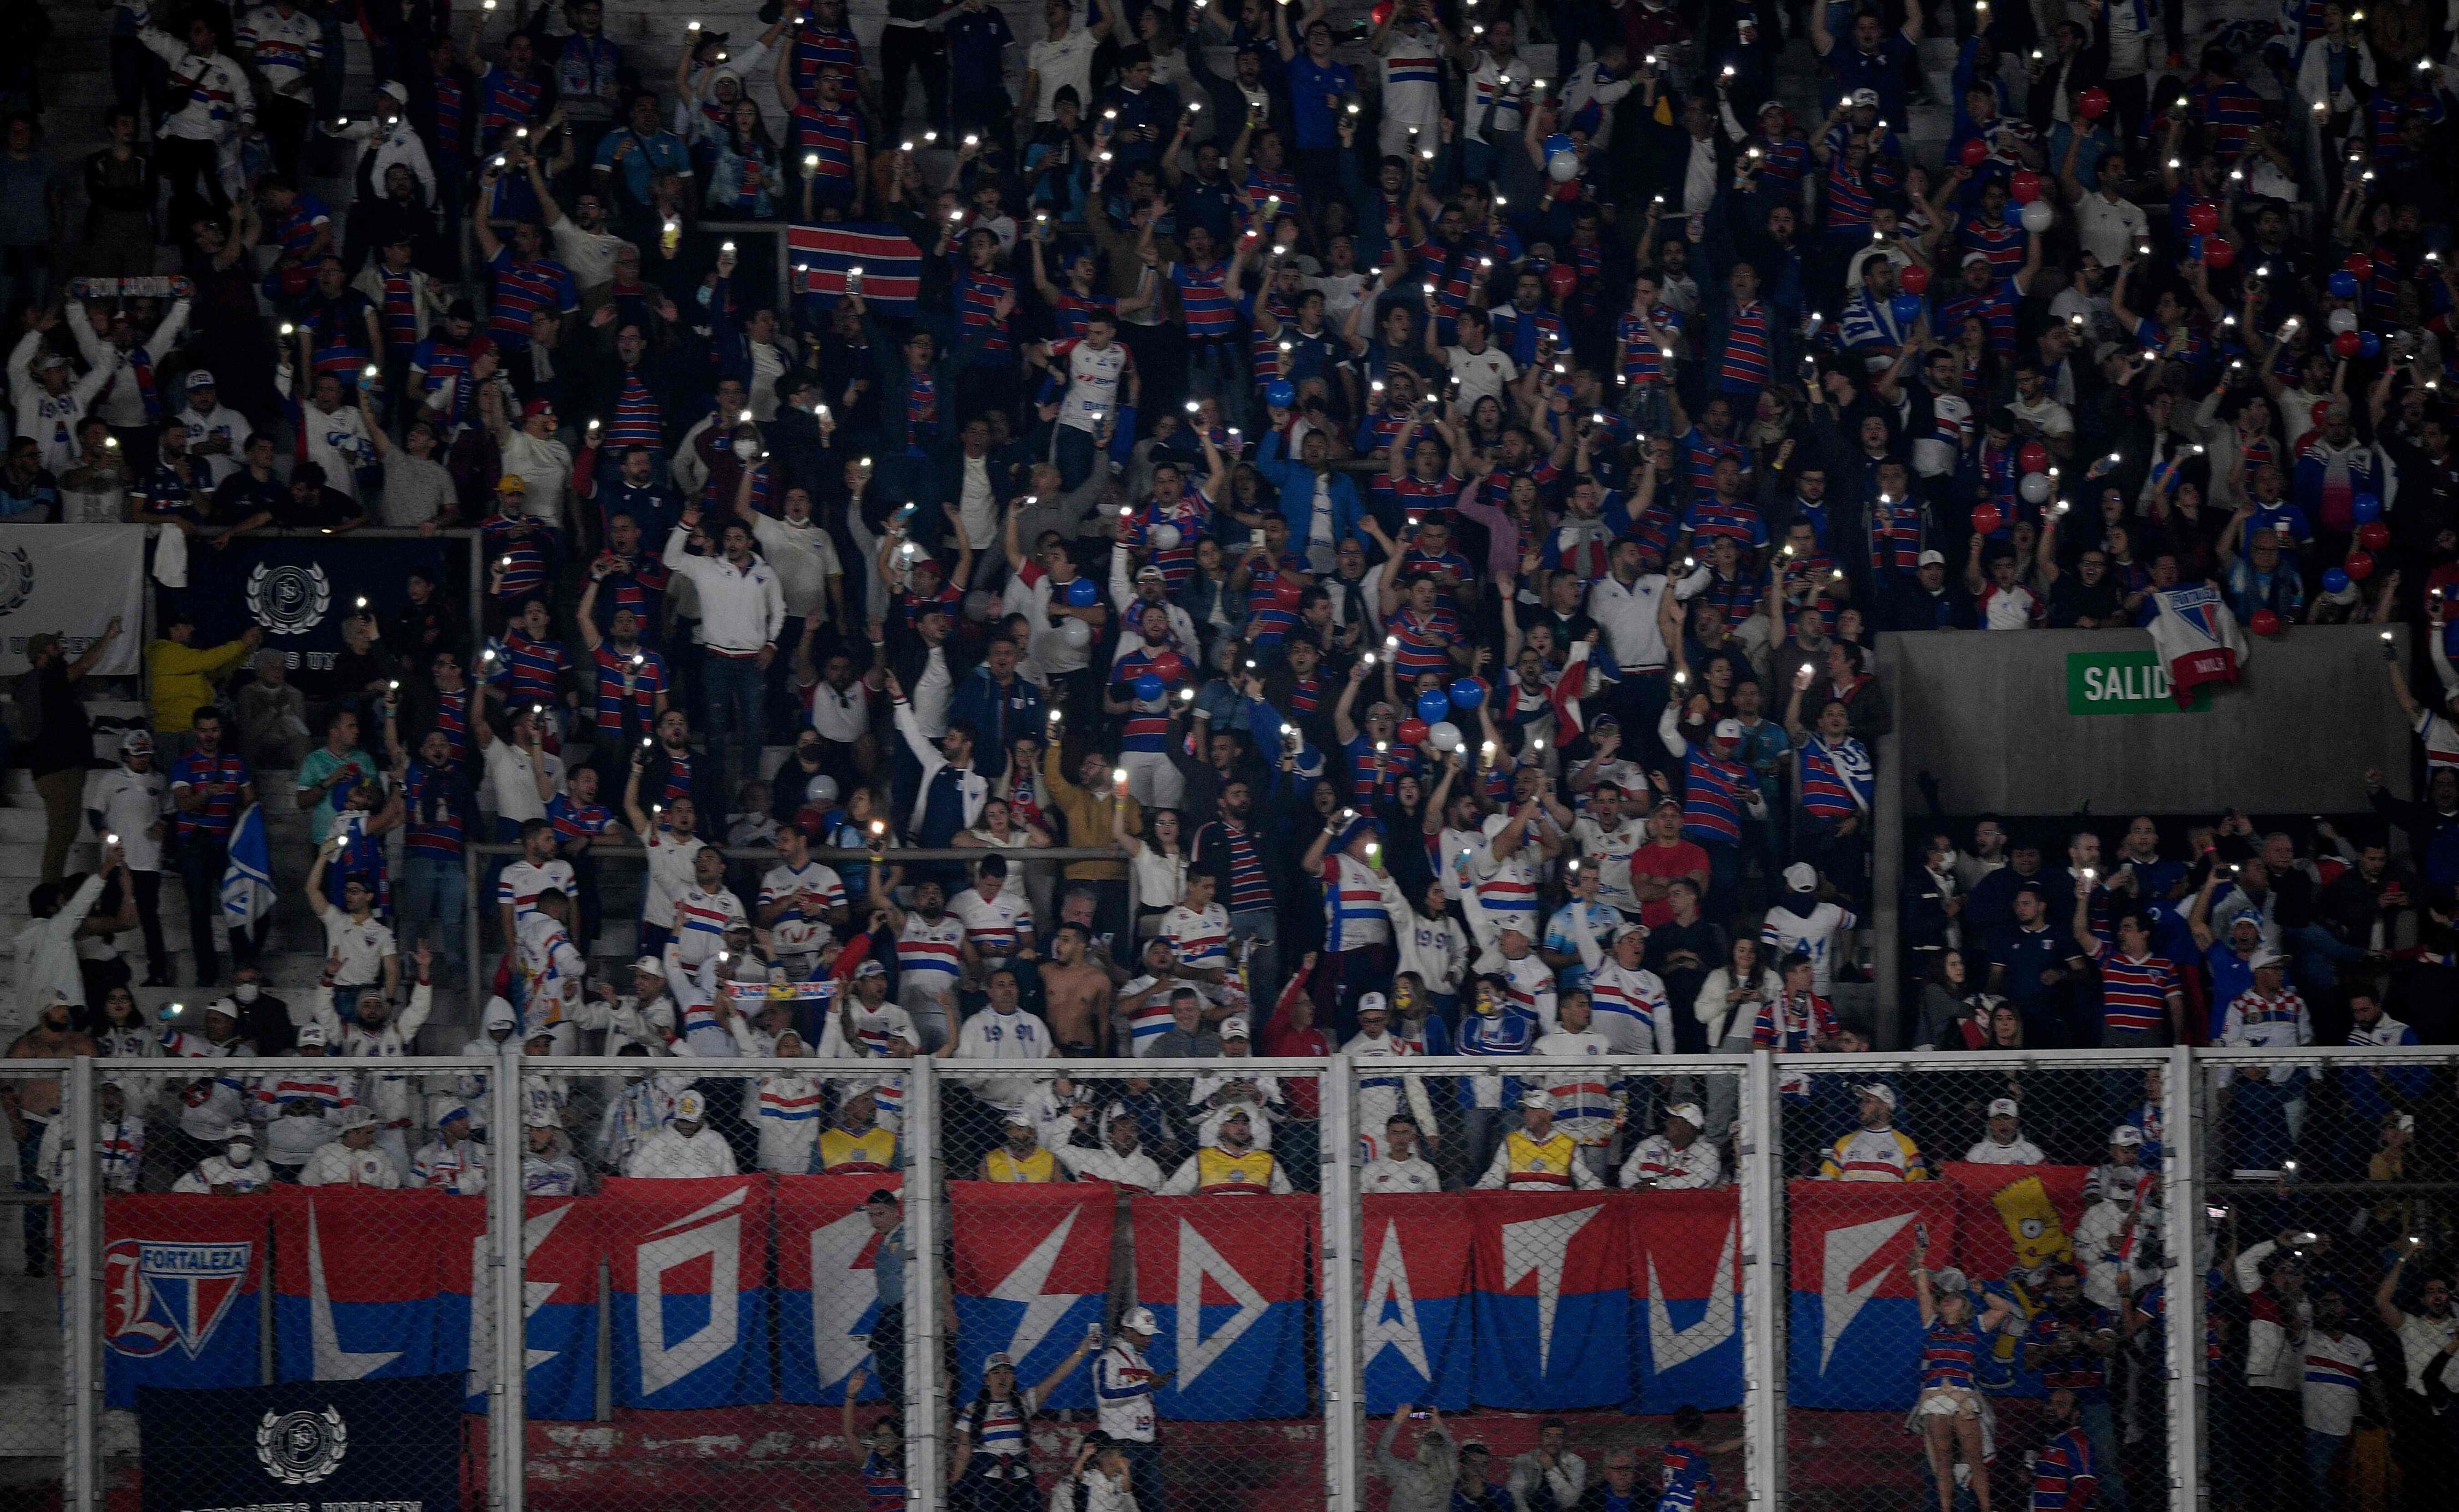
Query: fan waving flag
[883, 264]
[1032, 1276]
[248, 877]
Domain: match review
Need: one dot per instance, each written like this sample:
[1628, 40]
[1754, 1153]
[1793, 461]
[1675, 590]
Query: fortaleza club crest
[289, 600]
[157, 1297]
[301, 1448]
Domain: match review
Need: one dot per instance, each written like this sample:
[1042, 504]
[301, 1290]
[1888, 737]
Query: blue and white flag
[248, 880]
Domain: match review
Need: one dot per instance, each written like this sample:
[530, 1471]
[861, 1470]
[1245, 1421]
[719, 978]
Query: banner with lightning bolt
[827, 1288]
[353, 1300]
[1686, 1273]
[1552, 1301]
[1031, 1278]
[1413, 1328]
[1227, 1278]
[1854, 1340]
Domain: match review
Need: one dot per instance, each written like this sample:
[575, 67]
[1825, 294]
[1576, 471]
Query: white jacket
[389, 1092]
[667, 1155]
[337, 1164]
[741, 608]
[123, 405]
[47, 958]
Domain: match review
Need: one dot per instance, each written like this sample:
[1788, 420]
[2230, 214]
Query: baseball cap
[537, 407]
[1373, 1002]
[869, 968]
[457, 1111]
[2004, 1107]
[1689, 1113]
[1801, 876]
[1138, 1320]
[1728, 729]
[1879, 1090]
[136, 743]
[1970, 258]
[1865, 96]
[541, 1117]
[1153, 572]
[227, 1007]
[1234, 1027]
[357, 1116]
[200, 378]
[1537, 1098]
[2126, 1134]
[311, 1034]
[1930, 558]
[996, 1359]
[1624, 932]
[512, 483]
[690, 1107]
[399, 91]
[50, 360]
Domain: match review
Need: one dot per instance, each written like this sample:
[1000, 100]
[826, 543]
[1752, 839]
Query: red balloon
[1563, 280]
[2217, 253]
[1986, 519]
[1167, 667]
[2373, 535]
[1913, 279]
[2360, 565]
[2321, 413]
[2360, 265]
[2033, 457]
[2347, 343]
[2204, 217]
[2025, 186]
[2092, 103]
[1413, 732]
[1976, 151]
[2263, 623]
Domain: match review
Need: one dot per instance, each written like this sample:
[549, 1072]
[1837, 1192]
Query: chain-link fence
[32, 1430]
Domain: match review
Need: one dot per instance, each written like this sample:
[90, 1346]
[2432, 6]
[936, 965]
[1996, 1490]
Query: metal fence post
[81, 1273]
[1343, 1400]
[507, 1411]
[926, 1387]
[2186, 1367]
[1763, 1285]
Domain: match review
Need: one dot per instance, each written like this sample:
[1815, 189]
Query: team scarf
[1848, 762]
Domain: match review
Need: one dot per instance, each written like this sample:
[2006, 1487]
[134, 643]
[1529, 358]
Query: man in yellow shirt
[1231, 1164]
[1537, 1156]
[181, 677]
[1021, 1159]
[857, 1145]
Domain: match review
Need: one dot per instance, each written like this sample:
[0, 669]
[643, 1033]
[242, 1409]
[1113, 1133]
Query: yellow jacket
[182, 679]
[1088, 819]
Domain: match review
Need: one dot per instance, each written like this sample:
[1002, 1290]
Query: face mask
[246, 992]
[748, 450]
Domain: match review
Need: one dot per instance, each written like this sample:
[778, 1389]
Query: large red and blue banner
[1414, 1327]
[687, 1270]
[182, 1290]
[828, 1286]
[1031, 1278]
[1552, 1299]
[1686, 1284]
[873, 259]
[1227, 1280]
[354, 1301]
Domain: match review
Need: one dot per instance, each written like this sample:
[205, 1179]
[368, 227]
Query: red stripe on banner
[2014, 1215]
[1263, 1238]
[806, 1204]
[1849, 1232]
[632, 1213]
[1000, 1225]
[1596, 1257]
[1432, 1232]
[1685, 1235]
[360, 1238]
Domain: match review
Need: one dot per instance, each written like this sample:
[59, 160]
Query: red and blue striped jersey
[1425, 640]
[1824, 793]
[1994, 308]
[2135, 994]
[573, 822]
[638, 420]
[831, 135]
[1073, 311]
[2231, 110]
[679, 775]
[505, 100]
[648, 673]
[1449, 269]
[1783, 165]
[529, 667]
[1250, 887]
[1371, 772]
[1951, 1356]
[2082, 1373]
[1190, 516]
[2003, 245]
[2064, 1477]
[397, 309]
[451, 94]
[452, 718]
[1143, 728]
[1643, 361]
[337, 330]
[921, 410]
[1683, 1478]
[196, 768]
[815, 46]
[978, 297]
[1203, 295]
[638, 583]
[1704, 452]
[435, 817]
[1263, 185]
[1748, 358]
[933, 950]
[440, 357]
[1896, 535]
[1852, 194]
[1710, 517]
[518, 290]
[1711, 797]
[1415, 497]
[883, 1484]
[296, 228]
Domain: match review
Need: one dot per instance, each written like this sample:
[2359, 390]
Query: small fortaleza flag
[2198, 640]
[873, 259]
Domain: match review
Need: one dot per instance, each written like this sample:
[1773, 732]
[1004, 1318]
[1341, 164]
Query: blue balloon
[2194, 248]
[2335, 580]
[1466, 695]
[1150, 687]
[1906, 309]
[1560, 142]
[1432, 706]
[1082, 594]
[1281, 393]
[2368, 343]
[2344, 284]
[2365, 507]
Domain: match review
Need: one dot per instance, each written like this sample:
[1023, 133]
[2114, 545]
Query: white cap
[1865, 96]
[1932, 559]
[1138, 1320]
[2126, 1134]
[1728, 729]
[1879, 1090]
[1970, 258]
[1689, 1113]
[1234, 1027]
[357, 1116]
[1801, 876]
[650, 966]
[691, 1107]
[2004, 1107]
[1367, 1003]
[541, 1117]
[2265, 956]
[1537, 1098]
[311, 1034]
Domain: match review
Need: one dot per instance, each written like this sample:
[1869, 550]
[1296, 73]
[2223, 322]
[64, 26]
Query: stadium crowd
[1405, 517]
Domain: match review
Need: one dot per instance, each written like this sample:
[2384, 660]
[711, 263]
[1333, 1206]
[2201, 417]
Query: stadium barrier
[1336, 1282]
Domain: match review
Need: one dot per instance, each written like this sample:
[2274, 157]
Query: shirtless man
[1076, 994]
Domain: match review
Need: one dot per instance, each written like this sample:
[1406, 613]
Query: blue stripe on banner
[564, 1385]
[707, 1351]
[1875, 1363]
[1260, 1373]
[364, 1340]
[799, 1367]
[1585, 1363]
[1436, 1329]
[1688, 1351]
[1047, 1338]
[890, 264]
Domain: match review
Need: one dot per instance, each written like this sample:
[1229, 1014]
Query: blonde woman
[1950, 1408]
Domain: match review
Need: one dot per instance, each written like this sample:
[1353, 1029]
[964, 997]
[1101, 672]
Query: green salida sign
[2124, 682]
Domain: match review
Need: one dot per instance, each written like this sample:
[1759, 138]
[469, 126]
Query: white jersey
[670, 1155]
[998, 926]
[216, 1171]
[1630, 1009]
[552, 969]
[337, 1164]
[1813, 935]
[2017, 1151]
[1609, 852]
[522, 882]
[1123, 1387]
[131, 806]
[1389, 1175]
[1093, 378]
[1382, 1093]
[444, 1165]
[223, 424]
[338, 442]
[1412, 68]
[1656, 1163]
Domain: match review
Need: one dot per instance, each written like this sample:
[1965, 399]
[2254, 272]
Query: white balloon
[2342, 320]
[2035, 488]
[821, 789]
[1445, 736]
[1563, 167]
[1076, 633]
[2038, 217]
[1164, 536]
